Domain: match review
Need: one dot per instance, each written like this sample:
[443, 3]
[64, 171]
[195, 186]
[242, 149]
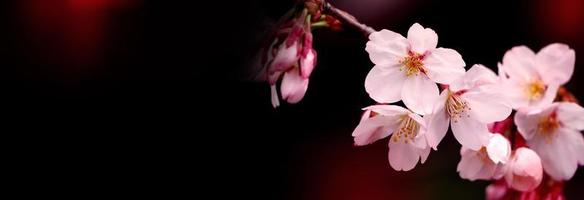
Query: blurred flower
[468, 105]
[533, 79]
[407, 144]
[291, 55]
[554, 133]
[524, 171]
[407, 69]
[486, 163]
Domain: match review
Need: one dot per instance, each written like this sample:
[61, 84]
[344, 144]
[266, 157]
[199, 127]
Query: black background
[161, 107]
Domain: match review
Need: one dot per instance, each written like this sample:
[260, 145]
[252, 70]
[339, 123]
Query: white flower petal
[419, 94]
[375, 128]
[444, 65]
[519, 63]
[485, 107]
[469, 132]
[385, 85]
[571, 115]
[555, 63]
[438, 122]
[470, 164]
[556, 154]
[476, 76]
[386, 47]
[422, 39]
[402, 156]
[498, 149]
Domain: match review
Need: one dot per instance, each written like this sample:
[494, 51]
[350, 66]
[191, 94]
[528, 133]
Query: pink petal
[525, 172]
[577, 143]
[469, 132]
[556, 63]
[519, 63]
[444, 65]
[293, 86]
[498, 149]
[419, 94]
[402, 156]
[527, 121]
[556, 154]
[470, 164]
[424, 153]
[274, 96]
[513, 93]
[571, 115]
[485, 107]
[307, 63]
[438, 122]
[476, 76]
[373, 129]
[388, 110]
[385, 85]
[386, 47]
[548, 96]
[285, 58]
[422, 39]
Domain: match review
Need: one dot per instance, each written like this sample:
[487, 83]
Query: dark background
[149, 97]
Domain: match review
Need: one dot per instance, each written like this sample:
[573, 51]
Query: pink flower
[524, 170]
[533, 79]
[292, 57]
[407, 144]
[468, 105]
[407, 69]
[554, 133]
[486, 163]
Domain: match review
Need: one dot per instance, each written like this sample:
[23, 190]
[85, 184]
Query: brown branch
[348, 19]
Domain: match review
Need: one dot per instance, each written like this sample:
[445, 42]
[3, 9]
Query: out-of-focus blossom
[408, 69]
[486, 163]
[468, 105]
[291, 55]
[533, 79]
[407, 144]
[554, 133]
[524, 171]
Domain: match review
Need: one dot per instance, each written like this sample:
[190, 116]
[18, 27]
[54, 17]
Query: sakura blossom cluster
[478, 105]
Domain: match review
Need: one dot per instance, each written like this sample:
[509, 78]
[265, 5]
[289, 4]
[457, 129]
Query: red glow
[69, 33]
[561, 18]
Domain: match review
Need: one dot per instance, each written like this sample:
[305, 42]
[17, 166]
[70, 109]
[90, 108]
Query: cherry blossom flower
[533, 79]
[407, 68]
[468, 105]
[524, 171]
[554, 133]
[486, 163]
[291, 57]
[407, 144]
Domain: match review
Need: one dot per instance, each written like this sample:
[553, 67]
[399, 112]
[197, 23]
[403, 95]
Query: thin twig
[348, 19]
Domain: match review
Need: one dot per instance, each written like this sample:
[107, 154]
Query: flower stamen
[535, 90]
[547, 126]
[412, 64]
[408, 130]
[456, 107]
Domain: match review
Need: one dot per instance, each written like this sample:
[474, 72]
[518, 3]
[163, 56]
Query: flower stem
[348, 19]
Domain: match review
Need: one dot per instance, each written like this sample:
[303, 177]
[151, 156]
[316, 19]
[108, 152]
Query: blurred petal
[293, 86]
[498, 149]
[308, 63]
[375, 128]
[556, 63]
[486, 108]
[519, 63]
[477, 75]
[469, 132]
[470, 164]
[571, 115]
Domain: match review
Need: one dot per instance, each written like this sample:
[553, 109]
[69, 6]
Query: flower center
[407, 130]
[548, 125]
[412, 64]
[535, 90]
[456, 107]
[483, 154]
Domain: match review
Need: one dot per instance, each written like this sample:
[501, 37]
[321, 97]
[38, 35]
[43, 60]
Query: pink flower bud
[524, 172]
[293, 86]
